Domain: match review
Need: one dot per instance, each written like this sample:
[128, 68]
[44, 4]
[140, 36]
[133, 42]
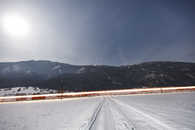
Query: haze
[108, 32]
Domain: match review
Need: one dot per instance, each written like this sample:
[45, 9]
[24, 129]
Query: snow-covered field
[24, 91]
[138, 112]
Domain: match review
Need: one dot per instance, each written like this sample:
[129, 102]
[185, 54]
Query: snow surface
[56, 67]
[140, 112]
[24, 91]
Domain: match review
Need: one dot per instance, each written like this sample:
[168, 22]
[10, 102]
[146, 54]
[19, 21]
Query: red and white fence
[97, 93]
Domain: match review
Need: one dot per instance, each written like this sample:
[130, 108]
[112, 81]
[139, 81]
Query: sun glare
[15, 25]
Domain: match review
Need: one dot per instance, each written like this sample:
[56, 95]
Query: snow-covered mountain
[46, 69]
[54, 75]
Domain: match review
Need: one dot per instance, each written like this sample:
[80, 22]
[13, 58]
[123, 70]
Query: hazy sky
[110, 32]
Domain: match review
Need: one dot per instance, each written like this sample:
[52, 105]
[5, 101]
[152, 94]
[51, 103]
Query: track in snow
[125, 117]
[121, 120]
[135, 118]
[141, 112]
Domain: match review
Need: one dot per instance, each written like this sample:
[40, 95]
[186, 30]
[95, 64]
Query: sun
[15, 25]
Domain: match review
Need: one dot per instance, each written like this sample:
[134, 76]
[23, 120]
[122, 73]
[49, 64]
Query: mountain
[54, 75]
[47, 69]
[31, 72]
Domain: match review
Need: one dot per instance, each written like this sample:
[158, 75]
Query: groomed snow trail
[140, 112]
[87, 125]
[138, 119]
[124, 117]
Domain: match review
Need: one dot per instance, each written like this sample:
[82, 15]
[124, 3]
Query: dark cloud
[103, 32]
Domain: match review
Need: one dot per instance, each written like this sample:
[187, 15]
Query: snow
[140, 112]
[28, 72]
[16, 68]
[150, 76]
[6, 70]
[13, 68]
[81, 70]
[56, 67]
[51, 115]
[24, 91]
[174, 110]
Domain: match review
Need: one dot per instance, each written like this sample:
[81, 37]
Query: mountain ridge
[67, 77]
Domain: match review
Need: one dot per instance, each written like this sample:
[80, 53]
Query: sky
[111, 32]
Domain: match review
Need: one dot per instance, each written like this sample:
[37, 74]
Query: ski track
[100, 113]
[87, 125]
[122, 122]
[152, 123]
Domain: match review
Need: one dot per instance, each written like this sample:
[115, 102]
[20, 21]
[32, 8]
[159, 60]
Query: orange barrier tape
[97, 93]
[23, 99]
[39, 98]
